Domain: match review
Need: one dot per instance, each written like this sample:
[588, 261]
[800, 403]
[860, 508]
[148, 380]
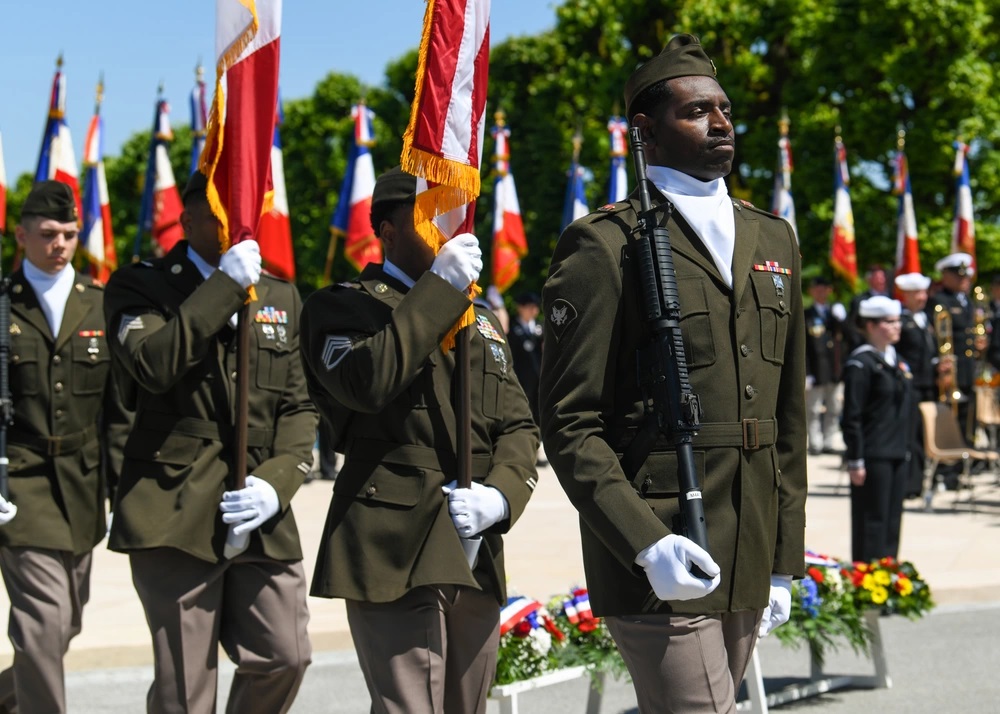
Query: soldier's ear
[645, 126]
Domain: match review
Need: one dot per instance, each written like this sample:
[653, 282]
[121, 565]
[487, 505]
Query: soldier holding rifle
[64, 408]
[172, 329]
[423, 606]
[686, 637]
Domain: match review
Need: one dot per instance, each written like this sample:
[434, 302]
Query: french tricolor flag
[352, 218]
[56, 160]
[98, 240]
[160, 211]
[963, 232]
[618, 131]
[575, 205]
[907, 248]
[198, 103]
[275, 231]
[237, 154]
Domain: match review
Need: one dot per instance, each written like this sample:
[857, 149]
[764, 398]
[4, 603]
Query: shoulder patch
[335, 348]
[561, 315]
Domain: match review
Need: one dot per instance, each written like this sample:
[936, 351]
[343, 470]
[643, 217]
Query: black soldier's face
[201, 228]
[691, 132]
[403, 247]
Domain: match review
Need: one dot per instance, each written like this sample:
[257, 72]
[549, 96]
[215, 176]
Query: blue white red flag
[782, 203]
[97, 240]
[443, 143]
[56, 160]
[352, 219]
[198, 102]
[843, 252]
[274, 234]
[907, 246]
[509, 241]
[963, 232]
[516, 609]
[618, 185]
[237, 154]
[160, 210]
[577, 606]
[575, 205]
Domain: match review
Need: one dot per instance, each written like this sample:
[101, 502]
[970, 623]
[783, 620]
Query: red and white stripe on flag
[167, 207]
[275, 230]
[237, 154]
[98, 240]
[3, 190]
[443, 143]
[907, 247]
[963, 234]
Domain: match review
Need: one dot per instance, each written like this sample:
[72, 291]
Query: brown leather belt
[424, 457]
[749, 434]
[54, 445]
[200, 428]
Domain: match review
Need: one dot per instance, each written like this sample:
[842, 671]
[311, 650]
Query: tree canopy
[870, 68]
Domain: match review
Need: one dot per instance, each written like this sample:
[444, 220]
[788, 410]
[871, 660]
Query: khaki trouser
[433, 650]
[255, 607]
[47, 590]
[684, 664]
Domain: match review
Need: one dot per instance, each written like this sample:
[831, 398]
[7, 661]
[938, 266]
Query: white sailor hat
[879, 306]
[912, 281]
[959, 262]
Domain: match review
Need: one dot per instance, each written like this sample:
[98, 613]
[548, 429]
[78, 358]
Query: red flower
[588, 625]
[816, 574]
[522, 629]
[857, 577]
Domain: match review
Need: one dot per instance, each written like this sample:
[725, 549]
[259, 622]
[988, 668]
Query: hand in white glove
[250, 507]
[839, 312]
[668, 566]
[242, 263]
[475, 509]
[459, 261]
[779, 605]
[7, 511]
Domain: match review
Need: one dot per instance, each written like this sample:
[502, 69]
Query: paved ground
[946, 662]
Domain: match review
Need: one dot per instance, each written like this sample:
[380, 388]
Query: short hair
[386, 211]
[650, 98]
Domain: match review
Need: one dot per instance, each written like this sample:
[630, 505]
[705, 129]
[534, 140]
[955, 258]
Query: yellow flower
[879, 595]
[904, 585]
[868, 582]
[882, 577]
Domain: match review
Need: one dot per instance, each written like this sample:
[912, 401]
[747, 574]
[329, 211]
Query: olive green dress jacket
[61, 396]
[745, 353]
[170, 332]
[385, 389]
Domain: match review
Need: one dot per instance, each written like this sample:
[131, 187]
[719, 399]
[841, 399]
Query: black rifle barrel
[664, 372]
[6, 402]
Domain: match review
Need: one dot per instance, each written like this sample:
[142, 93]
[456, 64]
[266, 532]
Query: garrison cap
[51, 199]
[395, 186]
[682, 57]
[961, 263]
[528, 299]
[912, 281]
[880, 306]
[197, 187]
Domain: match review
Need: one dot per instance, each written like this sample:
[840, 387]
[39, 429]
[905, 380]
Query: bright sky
[139, 43]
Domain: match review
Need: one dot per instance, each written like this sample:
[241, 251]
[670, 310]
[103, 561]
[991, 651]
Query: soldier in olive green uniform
[685, 640]
[172, 331]
[425, 624]
[59, 377]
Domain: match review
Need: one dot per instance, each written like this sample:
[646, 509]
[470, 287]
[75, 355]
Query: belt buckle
[751, 434]
[55, 445]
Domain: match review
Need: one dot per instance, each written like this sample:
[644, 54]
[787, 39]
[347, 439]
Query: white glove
[459, 261]
[250, 507]
[668, 566]
[242, 263]
[475, 509]
[779, 605]
[839, 312]
[7, 511]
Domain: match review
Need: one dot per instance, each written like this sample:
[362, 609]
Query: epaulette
[741, 204]
[608, 209]
[95, 283]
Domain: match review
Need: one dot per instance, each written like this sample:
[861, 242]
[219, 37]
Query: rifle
[672, 409]
[6, 402]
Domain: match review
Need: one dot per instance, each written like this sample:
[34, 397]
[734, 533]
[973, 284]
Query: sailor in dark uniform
[877, 424]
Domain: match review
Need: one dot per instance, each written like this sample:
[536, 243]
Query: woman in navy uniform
[877, 425]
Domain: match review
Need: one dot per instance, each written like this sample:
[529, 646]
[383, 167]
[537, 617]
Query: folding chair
[944, 444]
